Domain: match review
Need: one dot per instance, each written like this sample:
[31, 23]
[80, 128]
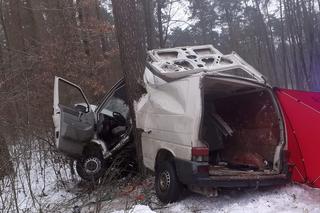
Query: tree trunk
[149, 22]
[28, 21]
[3, 23]
[284, 52]
[299, 38]
[132, 56]
[5, 162]
[83, 34]
[14, 25]
[102, 35]
[159, 17]
[268, 42]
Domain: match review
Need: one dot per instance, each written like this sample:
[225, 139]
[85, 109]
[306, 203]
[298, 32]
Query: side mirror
[119, 118]
[82, 108]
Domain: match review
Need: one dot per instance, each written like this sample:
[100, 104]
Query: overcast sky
[181, 14]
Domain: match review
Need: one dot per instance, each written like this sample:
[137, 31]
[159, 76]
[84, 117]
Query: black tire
[167, 186]
[91, 166]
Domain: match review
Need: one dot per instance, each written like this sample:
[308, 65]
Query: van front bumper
[188, 174]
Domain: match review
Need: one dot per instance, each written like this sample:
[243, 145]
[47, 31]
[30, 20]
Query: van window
[117, 103]
[70, 96]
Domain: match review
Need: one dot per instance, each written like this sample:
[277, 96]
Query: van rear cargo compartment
[241, 126]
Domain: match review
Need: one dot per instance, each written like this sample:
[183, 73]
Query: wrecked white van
[92, 135]
[209, 120]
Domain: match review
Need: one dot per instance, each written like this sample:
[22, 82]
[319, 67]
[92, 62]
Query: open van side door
[73, 117]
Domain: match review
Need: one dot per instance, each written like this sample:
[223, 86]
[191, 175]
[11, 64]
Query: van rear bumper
[191, 173]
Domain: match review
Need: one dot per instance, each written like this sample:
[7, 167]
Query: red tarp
[302, 114]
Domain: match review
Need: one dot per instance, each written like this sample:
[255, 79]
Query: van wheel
[91, 167]
[167, 185]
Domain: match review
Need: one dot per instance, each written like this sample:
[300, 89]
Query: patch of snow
[39, 184]
[54, 190]
[287, 199]
[137, 209]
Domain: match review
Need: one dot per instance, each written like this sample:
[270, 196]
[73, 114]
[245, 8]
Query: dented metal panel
[173, 63]
[170, 115]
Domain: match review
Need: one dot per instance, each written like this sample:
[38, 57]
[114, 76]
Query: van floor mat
[247, 160]
[227, 171]
[242, 167]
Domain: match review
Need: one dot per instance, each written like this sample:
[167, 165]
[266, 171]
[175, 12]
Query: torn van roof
[179, 62]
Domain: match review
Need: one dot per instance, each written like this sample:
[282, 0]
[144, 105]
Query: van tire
[95, 159]
[168, 187]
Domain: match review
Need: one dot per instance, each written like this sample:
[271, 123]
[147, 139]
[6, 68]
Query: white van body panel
[170, 112]
[169, 115]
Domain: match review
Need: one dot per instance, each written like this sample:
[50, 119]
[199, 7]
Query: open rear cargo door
[302, 114]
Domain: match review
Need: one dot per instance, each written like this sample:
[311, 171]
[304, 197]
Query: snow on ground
[137, 209]
[291, 199]
[287, 199]
[38, 184]
[54, 190]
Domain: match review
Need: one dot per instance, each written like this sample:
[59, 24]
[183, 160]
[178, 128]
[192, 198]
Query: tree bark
[6, 167]
[284, 51]
[13, 25]
[160, 25]
[102, 36]
[3, 23]
[268, 42]
[84, 35]
[132, 56]
[148, 8]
